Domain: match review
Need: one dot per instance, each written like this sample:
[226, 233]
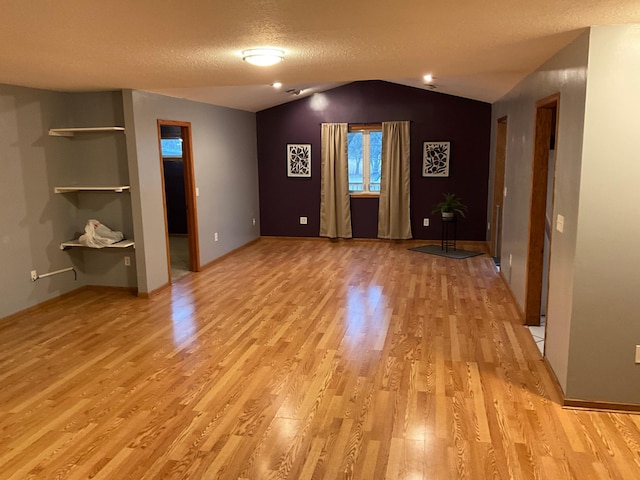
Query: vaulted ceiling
[191, 48]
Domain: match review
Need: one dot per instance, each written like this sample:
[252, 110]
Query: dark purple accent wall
[434, 117]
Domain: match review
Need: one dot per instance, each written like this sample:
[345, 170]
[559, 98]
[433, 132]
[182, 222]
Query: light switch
[560, 223]
[197, 192]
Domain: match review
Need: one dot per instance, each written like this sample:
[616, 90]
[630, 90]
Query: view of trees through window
[365, 160]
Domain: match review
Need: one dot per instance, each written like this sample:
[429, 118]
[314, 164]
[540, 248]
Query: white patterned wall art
[435, 160]
[298, 159]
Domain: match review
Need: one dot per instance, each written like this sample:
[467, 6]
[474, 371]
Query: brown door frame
[545, 111]
[498, 186]
[190, 194]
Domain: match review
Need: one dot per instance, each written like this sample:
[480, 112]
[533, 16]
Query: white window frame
[366, 160]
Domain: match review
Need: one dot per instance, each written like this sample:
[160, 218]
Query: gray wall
[565, 73]
[592, 318]
[100, 159]
[605, 321]
[34, 220]
[226, 174]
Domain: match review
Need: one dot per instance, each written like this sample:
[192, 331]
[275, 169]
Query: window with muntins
[365, 159]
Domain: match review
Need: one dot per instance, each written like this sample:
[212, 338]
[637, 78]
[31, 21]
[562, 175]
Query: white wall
[606, 299]
[226, 173]
[565, 73]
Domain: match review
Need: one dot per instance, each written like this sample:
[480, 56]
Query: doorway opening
[179, 197]
[495, 245]
[540, 217]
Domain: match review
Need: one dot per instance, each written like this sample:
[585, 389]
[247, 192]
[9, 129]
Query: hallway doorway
[541, 211]
[179, 197]
[495, 244]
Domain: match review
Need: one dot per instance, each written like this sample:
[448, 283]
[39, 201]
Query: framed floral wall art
[435, 159]
[298, 159]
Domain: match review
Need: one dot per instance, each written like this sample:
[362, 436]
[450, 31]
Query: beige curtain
[394, 221]
[335, 203]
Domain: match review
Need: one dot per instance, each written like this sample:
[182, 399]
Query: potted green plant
[451, 205]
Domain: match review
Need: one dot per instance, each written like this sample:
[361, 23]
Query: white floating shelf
[81, 188]
[70, 132]
[75, 243]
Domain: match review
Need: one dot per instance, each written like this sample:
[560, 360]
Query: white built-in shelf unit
[70, 132]
[76, 243]
[89, 188]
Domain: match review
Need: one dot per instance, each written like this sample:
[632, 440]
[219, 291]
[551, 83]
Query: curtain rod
[369, 123]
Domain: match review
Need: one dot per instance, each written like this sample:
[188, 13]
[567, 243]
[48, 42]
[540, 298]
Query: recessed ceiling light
[428, 78]
[276, 85]
[263, 57]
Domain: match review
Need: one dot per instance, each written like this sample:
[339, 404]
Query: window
[171, 147]
[365, 158]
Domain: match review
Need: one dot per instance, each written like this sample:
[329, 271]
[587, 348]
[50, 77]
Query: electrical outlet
[215, 237]
[127, 261]
[253, 222]
[34, 275]
[425, 222]
[504, 194]
[637, 353]
[303, 220]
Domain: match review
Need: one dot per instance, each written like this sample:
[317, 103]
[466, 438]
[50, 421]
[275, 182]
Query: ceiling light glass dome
[263, 57]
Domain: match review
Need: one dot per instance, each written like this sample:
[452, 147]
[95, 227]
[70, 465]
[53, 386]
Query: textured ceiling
[191, 49]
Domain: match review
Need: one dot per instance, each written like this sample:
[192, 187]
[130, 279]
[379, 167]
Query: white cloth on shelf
[98, 235]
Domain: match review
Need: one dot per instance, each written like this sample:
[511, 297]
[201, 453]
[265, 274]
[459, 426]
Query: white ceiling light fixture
[276, 85]
[263, 57]
[428, 80]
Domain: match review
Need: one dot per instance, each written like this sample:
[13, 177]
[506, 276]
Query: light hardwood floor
[298, 359]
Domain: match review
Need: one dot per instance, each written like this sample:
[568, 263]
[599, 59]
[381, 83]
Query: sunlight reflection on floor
[182, 315]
